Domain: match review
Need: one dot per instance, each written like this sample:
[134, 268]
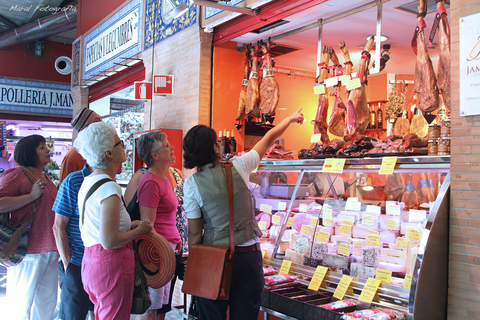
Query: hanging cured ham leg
[324, 65]
[425, 81]
[444, 74]
[242, 101]
[253, 88]
[336, 124]
[320, 122]
[346, 56]
[269, 90]
[357, 108]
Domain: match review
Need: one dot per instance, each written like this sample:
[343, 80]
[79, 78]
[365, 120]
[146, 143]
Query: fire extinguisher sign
[143, 90]
[163, 84]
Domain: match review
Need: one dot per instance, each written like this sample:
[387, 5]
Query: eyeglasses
[119, 143]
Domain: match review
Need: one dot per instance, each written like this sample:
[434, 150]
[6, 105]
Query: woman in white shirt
[106, 229]
[206, 204]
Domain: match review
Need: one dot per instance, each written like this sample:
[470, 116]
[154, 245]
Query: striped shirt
[66, 205]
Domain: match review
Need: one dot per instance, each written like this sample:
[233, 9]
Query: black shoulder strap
[91, 191]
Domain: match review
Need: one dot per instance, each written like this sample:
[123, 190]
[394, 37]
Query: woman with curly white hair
[106, 229]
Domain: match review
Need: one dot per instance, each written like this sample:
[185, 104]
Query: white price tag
[373, 209]
[330, 82]
[282, 206]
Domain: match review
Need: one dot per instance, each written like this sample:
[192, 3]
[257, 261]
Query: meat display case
[427, 297]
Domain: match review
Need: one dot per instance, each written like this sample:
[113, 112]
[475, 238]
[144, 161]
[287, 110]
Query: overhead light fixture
[384, 57]
[178, 9]
[382, 37]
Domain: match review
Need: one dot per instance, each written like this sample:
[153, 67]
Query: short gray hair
[147, 143]
[93, 141]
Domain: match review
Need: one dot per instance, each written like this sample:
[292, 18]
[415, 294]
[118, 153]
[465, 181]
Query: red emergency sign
[163, 84]
[143, 90]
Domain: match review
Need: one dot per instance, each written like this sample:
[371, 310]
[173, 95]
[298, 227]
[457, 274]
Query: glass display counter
[314, 218]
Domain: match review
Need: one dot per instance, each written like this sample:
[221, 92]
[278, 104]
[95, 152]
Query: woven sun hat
[158, 259]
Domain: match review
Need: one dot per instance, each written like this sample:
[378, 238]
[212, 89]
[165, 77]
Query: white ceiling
[398, 25]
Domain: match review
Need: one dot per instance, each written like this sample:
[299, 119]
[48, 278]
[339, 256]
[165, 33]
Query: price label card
[266, 208]
[345, 79]
[344, 249]
[333, 165]
[407, 284]
[373, 240]
[305, 230]
[394, 210]
[313, 222]
[319, 89]
[353, 206]
[354, 84]
[330, 82]
[368, 219]
[255, 170]
[263, 254]
[388, 164]
[342, 287]
[322, 236]
[276, 220]
[285, 267]
[348, 220]
[369, 290]
[402, 243]
[373, 209]
[282, 206]
[262, 225]
[316, 138]
[344, 229]
[384, 275]
[373, 232]
[289, 222]
[414, 235]
[302, 207]
[327, 217]
[391, 224]
[416, 215]
[317, 278]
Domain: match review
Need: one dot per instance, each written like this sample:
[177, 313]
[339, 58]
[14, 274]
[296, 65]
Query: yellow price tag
[333, 165]
[373, 240]
[322, 236]
[394, 210]
[282, 205]
[388, 164]
[342, 287]
[255, 170]
[344, 229]
[348, 220]
[289, 222]
[262, 225]
[345, 79]
[263, 254]
[276, 220]
[315, 138]
[317, 278]
[353, 84]
[319, 89]
[305, 230]
[368, 220]
[344, 249]
[266, 208]
[313, 222]
[327, 217]
[402, 243]
[285, 267]
[390, 224]
[414, 235]
[302, 207]
[369, 290]
[384, 275]
[373, 232]
[407, 284]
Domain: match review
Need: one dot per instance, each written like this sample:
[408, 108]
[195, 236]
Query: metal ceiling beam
[267, 14]
[226, 7]
[8, 22]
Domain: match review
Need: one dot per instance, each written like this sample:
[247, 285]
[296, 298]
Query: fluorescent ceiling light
[382, 37]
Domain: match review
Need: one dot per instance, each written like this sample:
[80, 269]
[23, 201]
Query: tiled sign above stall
[35, 97]
[114, 40]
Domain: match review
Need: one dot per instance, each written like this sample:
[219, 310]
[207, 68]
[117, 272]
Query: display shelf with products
[397, 231]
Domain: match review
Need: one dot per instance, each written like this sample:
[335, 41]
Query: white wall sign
[116, 38]
[470, 65]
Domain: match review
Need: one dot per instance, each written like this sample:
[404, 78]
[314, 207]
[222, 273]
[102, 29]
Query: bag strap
[228, 169]
[37, 201]
[91, 191]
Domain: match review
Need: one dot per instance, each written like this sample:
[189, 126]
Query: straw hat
[158, 259]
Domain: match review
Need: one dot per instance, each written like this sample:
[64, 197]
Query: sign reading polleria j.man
[35, 97]
[469, 65]
[118, 37]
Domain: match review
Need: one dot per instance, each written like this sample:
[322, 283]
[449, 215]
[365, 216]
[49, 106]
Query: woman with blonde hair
[107, 231]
